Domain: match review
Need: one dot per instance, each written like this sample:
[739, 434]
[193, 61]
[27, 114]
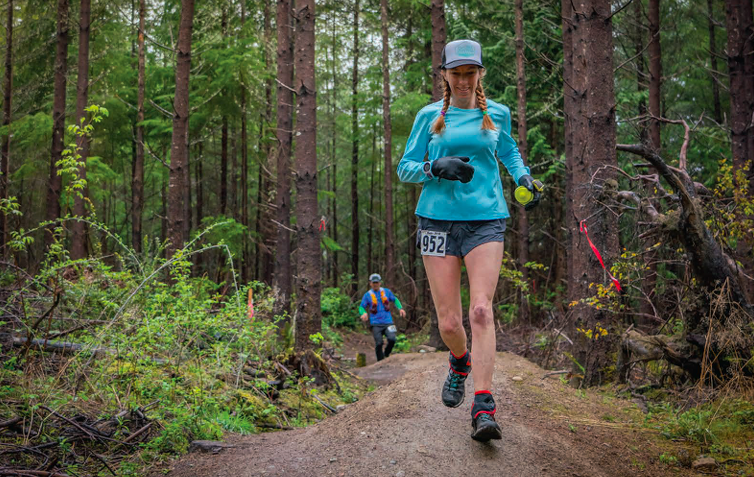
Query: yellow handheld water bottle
[524, 195]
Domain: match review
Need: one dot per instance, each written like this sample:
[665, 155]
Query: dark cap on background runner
[461, 52]
[375, 277]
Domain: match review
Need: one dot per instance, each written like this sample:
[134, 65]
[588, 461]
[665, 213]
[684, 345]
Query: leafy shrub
[338, 311]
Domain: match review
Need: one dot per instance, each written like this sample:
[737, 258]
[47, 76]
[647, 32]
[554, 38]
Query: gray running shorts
[463, 236]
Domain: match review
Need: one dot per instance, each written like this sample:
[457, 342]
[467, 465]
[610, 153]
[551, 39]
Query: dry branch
[67, 347]
[707, 259]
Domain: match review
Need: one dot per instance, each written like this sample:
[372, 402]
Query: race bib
[433, 243]
[392, 328]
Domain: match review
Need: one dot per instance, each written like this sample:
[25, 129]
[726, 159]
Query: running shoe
[483, 418]
[454, 389]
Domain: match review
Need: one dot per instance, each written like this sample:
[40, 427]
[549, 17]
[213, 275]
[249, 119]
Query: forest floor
[402, 429]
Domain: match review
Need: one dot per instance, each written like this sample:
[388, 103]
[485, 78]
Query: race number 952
[433, 243]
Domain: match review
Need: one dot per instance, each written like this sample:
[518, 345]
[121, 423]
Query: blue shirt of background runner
[481, 198]
[382, 317]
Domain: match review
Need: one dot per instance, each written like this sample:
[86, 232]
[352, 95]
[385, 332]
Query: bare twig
[554, 373]
[138, 433]
[273, 426]
[73, 423]
[35, 473]
[212, 96]
[161, 109]
[326, 406]
[286, 86]
[47, 313]
[10, 422]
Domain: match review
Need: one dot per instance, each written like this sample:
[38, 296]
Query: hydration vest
[385, 302]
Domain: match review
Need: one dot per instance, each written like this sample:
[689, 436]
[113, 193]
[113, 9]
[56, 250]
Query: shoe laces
[485, 417]
[455, 380]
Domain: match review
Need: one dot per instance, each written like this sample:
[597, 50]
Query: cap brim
[463, 62]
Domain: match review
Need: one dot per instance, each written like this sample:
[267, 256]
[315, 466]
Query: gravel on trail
[402, 429]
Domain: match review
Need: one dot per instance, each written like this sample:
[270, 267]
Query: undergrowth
[722, 429]
[152, 337]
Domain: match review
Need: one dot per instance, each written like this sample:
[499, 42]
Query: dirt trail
[403, 430]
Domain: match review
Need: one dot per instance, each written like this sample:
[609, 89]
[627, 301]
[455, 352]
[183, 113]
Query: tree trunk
[178, 187]
[413, 309]
[7, 111]
[246, 265]
[371, 236]
[233, 177]
[163, 211]
[389, 239]
[655, 73]
[268, 235]
[55, 184]
[355, 161]
[334, 201]
[738, 17]
[640, 73]
[749, 68]
[713, 62]
[259, 260]
[738, 25]
[569, 107]
[592, 128]
[308, 312]
[78, 229]
[224, 131]
[224, 165]
[649, 283]
[137, 185]
[199, 186]
[523, 222]
[437, 14]
[284, 137]
[187, 202]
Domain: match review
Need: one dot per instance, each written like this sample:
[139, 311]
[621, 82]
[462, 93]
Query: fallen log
[36, 473]
[708, 261]
[637, 347]
[67, 347]
[10, 422]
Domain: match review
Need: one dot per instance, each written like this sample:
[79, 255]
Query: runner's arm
[391, 297]
[410, 168]
[361, 310]
[507, 149]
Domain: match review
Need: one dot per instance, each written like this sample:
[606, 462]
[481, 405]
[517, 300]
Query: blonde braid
[482, 100]
[439, 125]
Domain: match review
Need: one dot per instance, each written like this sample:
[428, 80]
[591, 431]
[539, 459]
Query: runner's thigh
[444, 274]
[483, 267]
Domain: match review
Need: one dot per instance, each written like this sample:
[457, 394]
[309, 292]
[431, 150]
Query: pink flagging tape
[582, 227]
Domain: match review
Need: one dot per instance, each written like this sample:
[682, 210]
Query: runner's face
[375, 286]
[463, 80]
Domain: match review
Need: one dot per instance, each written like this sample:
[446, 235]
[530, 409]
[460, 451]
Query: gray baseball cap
[461, 52]
[375, 277]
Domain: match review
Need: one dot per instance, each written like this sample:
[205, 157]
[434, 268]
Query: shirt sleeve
[410, 166]
[364, 303]
[390, 295]
[398, 303]
[507, 150]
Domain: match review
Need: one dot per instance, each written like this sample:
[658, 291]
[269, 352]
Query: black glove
[535, 186]
[453, 168]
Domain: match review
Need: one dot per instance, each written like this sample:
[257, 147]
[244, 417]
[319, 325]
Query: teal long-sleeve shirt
[480, 199]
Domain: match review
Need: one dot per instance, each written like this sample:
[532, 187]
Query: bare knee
[450, 325]
[481, 314]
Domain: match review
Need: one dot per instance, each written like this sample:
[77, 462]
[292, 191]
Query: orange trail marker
[251, 305]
